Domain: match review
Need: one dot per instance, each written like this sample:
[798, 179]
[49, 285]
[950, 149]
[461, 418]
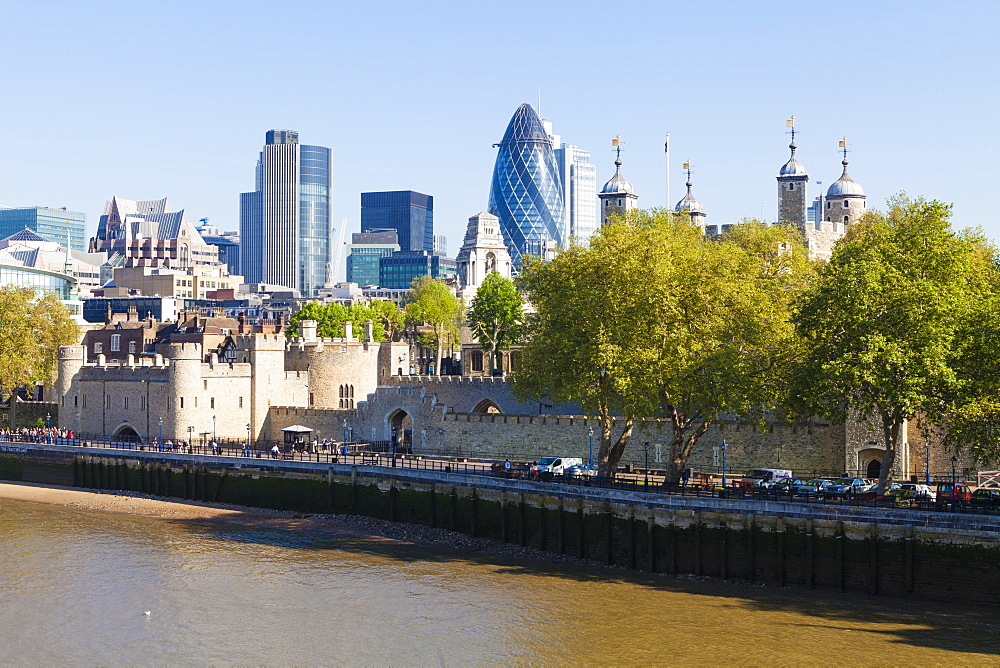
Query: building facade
[483, 252]
[364, 253]
[579, 182]
[526, 192]
[285, 225]
[410, 213]
[397, 271]
[60, 225]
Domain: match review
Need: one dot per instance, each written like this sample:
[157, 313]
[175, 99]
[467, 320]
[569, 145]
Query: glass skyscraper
[526, 192]
[285, 223]
[579, 179]
[410, 213]
[59, 225]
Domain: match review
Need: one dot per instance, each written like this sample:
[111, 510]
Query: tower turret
[792, 182]
[845, 199]
[689, 204]
[617, 196]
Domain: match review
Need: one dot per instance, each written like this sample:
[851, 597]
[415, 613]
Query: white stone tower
[792, 182]
[483, 252]
[618, 196]
[845, 199]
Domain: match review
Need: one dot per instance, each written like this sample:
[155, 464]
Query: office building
[397, 271]
[59, 225]
[579, 181]
[364, 253]
[526, 191]
[227, 242]
[147, 234]
[410, 213]
[285, 222]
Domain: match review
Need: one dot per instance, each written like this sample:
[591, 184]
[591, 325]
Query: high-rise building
[397, 271]
[285, 222]
[410, 213]
[526, 193]
[59, 225]
[364, 253]
[579, 182]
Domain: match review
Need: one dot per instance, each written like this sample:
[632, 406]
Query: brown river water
[75, 586]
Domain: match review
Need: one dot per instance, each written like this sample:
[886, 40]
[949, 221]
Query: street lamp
[590, 433]
[725, 448]
[645, 448]
[160, 442]
[48, 427]
[393, 448]
[190, 436]
[248, 439]
[345, 432]
[927, 464]
[213, 429]
[953, 495]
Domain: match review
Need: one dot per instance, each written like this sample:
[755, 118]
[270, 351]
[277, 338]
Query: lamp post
[345, 432]
[927, 464]
[160, 442]
[248, 439]
[190, 436]
[590, 433]
[213, 429]
[953, 495]
[394, 448]
[725, 448]
[645, 449]
[48, 427]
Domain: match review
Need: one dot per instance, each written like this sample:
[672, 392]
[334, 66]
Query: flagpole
[666, 150]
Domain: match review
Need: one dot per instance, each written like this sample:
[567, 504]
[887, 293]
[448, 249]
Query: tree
[331, 319]
[656, 320]
[882, 321]
[436, 307]
[496, 314]
[32, 328]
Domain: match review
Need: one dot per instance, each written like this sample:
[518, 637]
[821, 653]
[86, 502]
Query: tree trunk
[890, 431]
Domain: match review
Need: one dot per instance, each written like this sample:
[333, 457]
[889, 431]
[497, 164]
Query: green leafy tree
[435, 307]
[331, 319]
[882, 322]
[496, 314]
[388, 314]
[653, 319]
[31, 330]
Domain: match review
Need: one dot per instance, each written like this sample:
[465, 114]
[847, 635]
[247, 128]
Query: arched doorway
[127, 434]
[401, 430]
[874, 469]
[486, 406]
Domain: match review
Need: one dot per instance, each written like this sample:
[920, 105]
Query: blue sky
[145, 100]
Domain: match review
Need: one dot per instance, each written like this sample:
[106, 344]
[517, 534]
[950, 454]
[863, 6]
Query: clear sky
[151, 99]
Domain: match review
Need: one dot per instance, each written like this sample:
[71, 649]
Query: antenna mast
[666, 150]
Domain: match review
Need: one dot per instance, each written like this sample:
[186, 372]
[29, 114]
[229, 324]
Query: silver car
[846, 488]
[815, 488]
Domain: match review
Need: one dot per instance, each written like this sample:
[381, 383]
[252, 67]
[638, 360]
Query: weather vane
[617, 143]
[791, 123]
[843, 146]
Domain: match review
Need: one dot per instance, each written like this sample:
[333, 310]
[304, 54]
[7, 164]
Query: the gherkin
[526, 193]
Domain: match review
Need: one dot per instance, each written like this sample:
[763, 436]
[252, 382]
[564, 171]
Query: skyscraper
[285, 222]
[364, 253]
[526, 192]
[410, 213]
[579, 181]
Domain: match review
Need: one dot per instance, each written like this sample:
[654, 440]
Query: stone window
[131, 347]
[182, 402]
[477, 361]
[124, 402]
[845, 204]
[847, 219]
[241, 402]
[116, 343]
[791, 186]
[98, 347]
[211, 402]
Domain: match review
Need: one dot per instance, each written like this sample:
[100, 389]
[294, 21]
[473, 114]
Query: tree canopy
[31, 330]
[882, 323]
[434, 306]
[496, 314]
[331, 319]
[653, 319]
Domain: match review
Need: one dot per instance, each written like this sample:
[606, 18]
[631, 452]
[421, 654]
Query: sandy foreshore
[348, 526]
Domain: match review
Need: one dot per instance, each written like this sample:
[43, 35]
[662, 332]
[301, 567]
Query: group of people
[35, 434]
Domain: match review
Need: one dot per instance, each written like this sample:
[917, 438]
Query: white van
[549, 466]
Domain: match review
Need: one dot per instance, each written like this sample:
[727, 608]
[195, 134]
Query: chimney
[307, 330]
[369, 336]
[348, 331]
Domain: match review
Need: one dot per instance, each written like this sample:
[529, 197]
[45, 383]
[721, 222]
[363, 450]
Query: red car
[962, 495]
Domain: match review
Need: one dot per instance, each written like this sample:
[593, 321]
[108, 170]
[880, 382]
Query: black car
[986, 497]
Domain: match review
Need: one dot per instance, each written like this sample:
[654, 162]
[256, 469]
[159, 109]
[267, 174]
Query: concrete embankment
[918, 554]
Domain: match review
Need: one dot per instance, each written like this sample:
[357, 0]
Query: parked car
[816, 487]
[871, 494]
[550, 466]
[919, 491]
[846, 488]
[762, 478]
[784, 486]
[986, 497]
[961, 494]
[581, 471]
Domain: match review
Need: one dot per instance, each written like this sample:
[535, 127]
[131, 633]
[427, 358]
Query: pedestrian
[275, 451]
[506, 468]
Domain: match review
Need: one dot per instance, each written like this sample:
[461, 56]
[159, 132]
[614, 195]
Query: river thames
[76, 585]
